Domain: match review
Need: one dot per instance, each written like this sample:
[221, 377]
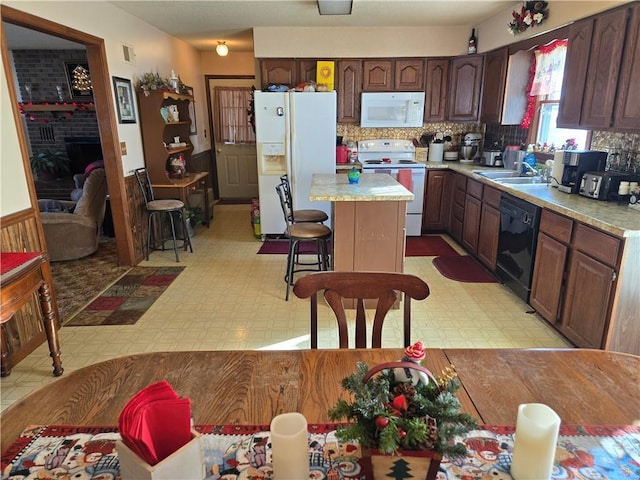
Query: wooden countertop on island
[380, 187]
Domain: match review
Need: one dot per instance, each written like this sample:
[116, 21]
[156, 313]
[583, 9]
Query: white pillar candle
[290, 447]
[535, 441]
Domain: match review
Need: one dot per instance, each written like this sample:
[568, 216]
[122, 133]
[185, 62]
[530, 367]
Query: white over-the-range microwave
[392, 109]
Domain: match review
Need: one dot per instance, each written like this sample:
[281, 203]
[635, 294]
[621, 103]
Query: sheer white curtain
[232, 125]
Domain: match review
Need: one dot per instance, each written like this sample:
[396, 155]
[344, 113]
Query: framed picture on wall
[192, 111]
[79, 80]
[124, 100]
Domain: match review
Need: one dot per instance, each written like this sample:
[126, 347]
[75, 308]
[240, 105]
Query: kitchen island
[368, 220]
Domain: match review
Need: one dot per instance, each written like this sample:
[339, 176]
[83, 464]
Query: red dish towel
[404, 178]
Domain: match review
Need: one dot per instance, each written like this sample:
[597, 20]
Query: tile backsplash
[623, 149]
[455, 130]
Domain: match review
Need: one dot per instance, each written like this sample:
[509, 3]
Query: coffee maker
[576, 164]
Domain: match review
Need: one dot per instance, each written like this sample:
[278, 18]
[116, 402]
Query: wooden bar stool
[300, 233]
[162, 209]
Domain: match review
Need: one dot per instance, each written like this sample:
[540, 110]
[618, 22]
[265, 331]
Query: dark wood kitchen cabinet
[591, 279]
[472, 216]
[456, 218]
[348, 87]
[377, 75]
[602, 50]
[550, 263]
[306, 70]
[437, 201]
[465, 87]
[436, 89]
[605, 57]
[495, 76]
[627, 109]
[489, 228]
[278, 71]
[574, 278]
[408, 75]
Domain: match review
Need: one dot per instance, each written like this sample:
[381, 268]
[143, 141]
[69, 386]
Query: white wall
[155, 52]
[494, 32]
[359, 42]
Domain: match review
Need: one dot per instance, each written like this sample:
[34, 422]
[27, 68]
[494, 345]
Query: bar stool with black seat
[300, 233]
[161, 209]
[305, 215]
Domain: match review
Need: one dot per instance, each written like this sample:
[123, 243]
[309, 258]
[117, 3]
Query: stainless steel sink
[499, 173]
[521, 180]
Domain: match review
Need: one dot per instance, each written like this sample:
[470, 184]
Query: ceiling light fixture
[222, 49]
[335, 7]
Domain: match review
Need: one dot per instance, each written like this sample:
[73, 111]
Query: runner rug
[124, 302]
[234, 452]
[426, 246]
[463, 268]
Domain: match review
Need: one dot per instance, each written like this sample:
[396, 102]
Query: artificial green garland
[393, 416]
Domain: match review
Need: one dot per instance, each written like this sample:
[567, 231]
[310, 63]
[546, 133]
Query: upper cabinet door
[349, 87]
[436, 88]
[409, 75]
[378, 76]
[465, 88]
[627, 112]
[575, 73]
[307, 70]
[278, 72]
[495, 73]
[604, 67]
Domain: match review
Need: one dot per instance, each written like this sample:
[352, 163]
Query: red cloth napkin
[156, 422]
[405, 179]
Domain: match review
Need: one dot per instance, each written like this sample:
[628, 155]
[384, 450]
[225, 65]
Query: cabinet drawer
[474, 189]
[556, 226]
[458, 211]
[460, 182]
[597, 244]
[491, 197]
[458, 197]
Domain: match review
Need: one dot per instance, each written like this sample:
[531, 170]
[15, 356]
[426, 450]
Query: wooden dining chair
[383, 286]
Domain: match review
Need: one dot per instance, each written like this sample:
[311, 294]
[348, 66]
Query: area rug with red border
[124, 302]
[463, 268]
[425, 246]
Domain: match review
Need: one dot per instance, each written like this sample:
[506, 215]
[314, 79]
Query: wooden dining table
[587, 387]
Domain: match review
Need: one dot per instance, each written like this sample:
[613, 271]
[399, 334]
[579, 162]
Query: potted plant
[403, 416]
[50, 164]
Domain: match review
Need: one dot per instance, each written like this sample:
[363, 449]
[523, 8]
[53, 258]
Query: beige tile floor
[230, 298]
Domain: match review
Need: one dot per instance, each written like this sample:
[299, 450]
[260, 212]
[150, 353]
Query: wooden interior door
[236, 165]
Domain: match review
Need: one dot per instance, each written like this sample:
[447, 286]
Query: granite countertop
[380, 187]
[619, 220]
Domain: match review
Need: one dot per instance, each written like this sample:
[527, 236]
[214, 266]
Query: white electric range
[391, 156]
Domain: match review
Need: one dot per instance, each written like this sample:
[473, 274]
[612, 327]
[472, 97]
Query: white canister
[624, 188]
[436, 152]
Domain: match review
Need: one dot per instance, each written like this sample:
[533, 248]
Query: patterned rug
[124, 302]
[77, 282]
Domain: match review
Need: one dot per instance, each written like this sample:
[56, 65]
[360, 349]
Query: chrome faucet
[532, 171]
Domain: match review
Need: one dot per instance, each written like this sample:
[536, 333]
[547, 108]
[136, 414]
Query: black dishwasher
[519, 222]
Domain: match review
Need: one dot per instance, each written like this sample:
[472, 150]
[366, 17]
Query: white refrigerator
[296, 135]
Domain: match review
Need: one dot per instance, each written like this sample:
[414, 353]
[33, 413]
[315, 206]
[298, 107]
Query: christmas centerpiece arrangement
[403, 415]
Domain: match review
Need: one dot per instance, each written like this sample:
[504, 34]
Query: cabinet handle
[614, 276]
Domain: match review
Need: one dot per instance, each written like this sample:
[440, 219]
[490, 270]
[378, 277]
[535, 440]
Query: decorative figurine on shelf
[353, 175]
[414, 353]
[177, 167]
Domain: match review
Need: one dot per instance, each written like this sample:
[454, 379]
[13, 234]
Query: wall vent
[47, 134]
[128, 54]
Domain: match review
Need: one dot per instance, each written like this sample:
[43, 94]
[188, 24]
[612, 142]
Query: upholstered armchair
[72, 229]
